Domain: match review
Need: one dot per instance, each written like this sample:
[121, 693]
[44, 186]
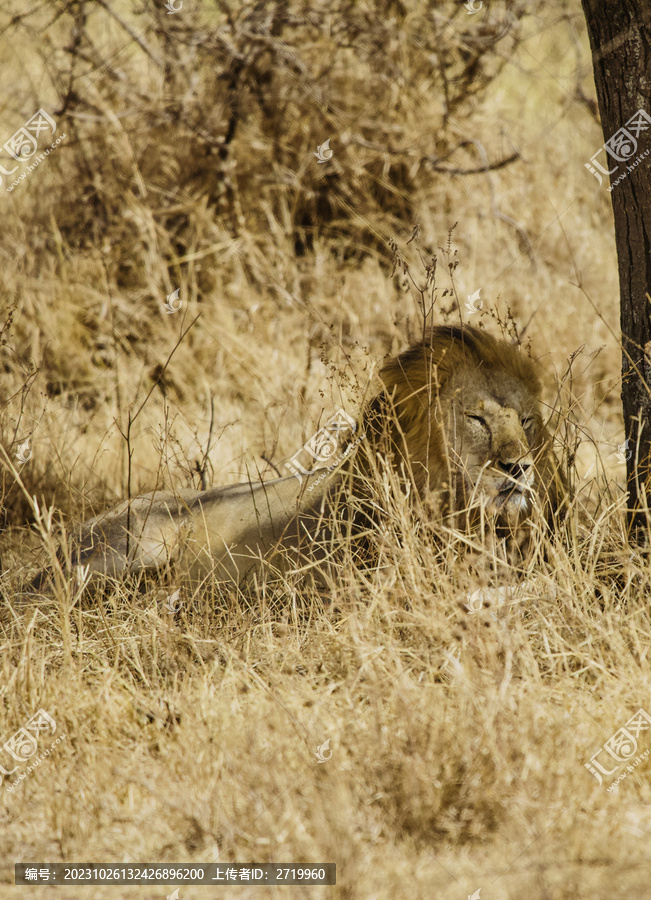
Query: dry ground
[458, 741]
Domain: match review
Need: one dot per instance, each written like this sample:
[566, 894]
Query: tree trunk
[621, 57]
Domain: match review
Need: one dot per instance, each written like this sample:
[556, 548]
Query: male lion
[457, 416]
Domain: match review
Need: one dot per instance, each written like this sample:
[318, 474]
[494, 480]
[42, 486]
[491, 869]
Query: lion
[457, 417]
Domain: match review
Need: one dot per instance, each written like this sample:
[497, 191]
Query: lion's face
[492, 434]
[465, 422]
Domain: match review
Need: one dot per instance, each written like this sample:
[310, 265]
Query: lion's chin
[510, 505]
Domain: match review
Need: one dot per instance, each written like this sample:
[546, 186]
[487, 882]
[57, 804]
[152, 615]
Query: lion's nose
[515, 469]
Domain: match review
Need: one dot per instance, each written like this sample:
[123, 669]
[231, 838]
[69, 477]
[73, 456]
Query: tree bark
[620, 38]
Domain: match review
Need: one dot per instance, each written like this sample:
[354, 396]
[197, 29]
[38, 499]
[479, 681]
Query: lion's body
[458, 416]
[223, 532]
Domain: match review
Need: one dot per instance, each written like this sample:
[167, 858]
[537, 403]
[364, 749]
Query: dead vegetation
[459, 738]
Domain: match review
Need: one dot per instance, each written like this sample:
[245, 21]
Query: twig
[273, 466]
[202, 466]
[130, 421]
[487, 167]
[132, 34]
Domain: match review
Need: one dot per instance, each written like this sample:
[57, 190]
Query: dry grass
[458, 739]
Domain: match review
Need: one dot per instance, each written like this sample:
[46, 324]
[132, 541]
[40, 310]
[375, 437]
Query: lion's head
[465, 421]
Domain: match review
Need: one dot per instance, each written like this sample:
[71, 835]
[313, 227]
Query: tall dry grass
[459, 740]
